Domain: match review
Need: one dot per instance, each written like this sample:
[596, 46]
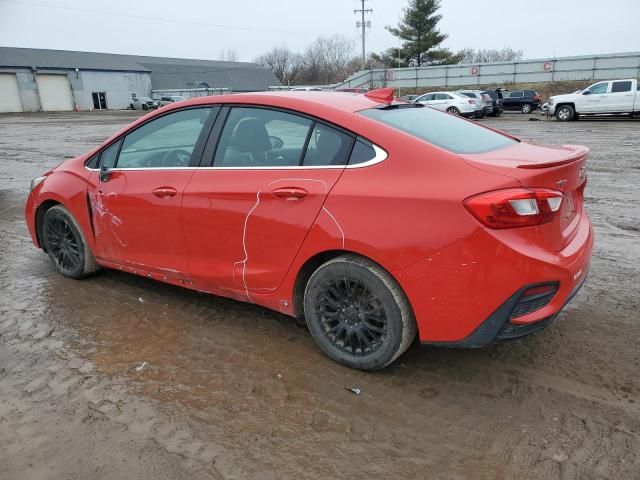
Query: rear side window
[258, 137]
[618, 87]
[516, 95]
[362, 152]
[441, 129]
[327, 146]
[468, 94]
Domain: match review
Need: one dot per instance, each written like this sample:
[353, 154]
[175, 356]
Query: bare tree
[327, 59]
[483, 55]
[228, 55]
[285, 64]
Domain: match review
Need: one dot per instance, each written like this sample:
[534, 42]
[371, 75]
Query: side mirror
[586, 92]
[105, 173]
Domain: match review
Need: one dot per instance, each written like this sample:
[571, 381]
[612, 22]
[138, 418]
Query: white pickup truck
[609, 97]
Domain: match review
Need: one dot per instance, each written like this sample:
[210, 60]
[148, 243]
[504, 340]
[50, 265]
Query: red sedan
[373, 219]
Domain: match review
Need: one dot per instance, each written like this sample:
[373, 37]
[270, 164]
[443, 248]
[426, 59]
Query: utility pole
[363, 11]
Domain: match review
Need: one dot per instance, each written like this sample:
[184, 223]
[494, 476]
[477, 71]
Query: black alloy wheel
[357, 313]
[64, 243]
[352, 317]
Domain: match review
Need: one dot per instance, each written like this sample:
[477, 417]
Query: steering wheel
[176, 158]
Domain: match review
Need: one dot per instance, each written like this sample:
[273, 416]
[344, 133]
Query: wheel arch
[314, 262]
[40, 211]
[571, 104]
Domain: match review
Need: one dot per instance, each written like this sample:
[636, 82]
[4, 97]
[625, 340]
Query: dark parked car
[524, 100]
[496, 100]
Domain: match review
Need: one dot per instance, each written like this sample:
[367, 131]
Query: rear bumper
[474, 284]
[499, 328]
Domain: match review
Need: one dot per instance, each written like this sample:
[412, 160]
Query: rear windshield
[441, 129]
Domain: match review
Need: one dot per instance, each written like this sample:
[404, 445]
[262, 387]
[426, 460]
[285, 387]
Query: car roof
[296, 100]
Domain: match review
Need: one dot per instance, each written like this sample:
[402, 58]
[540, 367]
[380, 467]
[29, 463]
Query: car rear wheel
[565, 113]
[526, 108]
[357, 313]
[66, 245]
[453, 111]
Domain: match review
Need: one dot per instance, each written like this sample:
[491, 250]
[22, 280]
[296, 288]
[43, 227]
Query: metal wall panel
[10, 97]
[55, 92]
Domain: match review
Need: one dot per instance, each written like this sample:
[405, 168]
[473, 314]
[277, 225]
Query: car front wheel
[453, 111]
[357, 313]
[565, 113]
[65, 244]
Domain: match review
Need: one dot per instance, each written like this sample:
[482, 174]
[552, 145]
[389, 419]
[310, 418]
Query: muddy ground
[232, 391]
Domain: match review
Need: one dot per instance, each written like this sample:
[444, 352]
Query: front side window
[425, 98]
[441, 129]
[327, 146]
[598, 88]
[258, 137]
[109, 155]
[618, 87]
[168, 141]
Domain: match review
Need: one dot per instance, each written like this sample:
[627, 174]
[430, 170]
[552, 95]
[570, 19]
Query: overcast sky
[203, 28]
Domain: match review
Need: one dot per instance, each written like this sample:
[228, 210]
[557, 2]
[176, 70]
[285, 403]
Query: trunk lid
[560, 168]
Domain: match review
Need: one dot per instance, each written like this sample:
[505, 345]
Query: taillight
[472, 102]
[536, 98]
[515, 207]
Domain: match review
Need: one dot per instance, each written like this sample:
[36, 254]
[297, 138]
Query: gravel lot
[235, 391]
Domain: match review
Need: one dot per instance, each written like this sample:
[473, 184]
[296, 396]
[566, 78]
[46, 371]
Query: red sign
[389, 74]
[547, 66]
[474, 71]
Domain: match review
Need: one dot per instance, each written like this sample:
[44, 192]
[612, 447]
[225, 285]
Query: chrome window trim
[380, 156]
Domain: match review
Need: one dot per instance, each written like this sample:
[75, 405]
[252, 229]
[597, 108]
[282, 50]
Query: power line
[161, 19]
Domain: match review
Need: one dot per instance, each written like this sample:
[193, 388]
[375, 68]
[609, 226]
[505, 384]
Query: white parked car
[168, 99]
[612, 97]
[482, 98]
[451, 102]
[143, 103]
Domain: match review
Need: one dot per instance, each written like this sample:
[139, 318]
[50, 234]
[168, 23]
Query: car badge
[561, 183]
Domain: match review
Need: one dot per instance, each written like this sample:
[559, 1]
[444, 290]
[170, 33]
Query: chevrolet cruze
[373, 219]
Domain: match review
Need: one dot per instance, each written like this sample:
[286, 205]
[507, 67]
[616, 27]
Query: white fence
[600, 67]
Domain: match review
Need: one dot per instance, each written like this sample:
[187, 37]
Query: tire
[145, 107]
[65, 244]
[565, 113]
[526, 108]
[453, 111]
[335, 299]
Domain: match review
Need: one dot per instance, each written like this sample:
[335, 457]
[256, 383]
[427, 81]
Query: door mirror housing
[586, 92]
[105, 173]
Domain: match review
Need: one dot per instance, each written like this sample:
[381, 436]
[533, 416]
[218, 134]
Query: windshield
[441, 129]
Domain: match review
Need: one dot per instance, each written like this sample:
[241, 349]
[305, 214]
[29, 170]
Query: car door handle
[290, 193]
[164, 192]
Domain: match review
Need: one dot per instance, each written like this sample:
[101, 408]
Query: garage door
[9, 94]
[55, 92]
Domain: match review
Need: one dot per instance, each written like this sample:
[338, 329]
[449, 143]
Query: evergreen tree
[420, 35]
